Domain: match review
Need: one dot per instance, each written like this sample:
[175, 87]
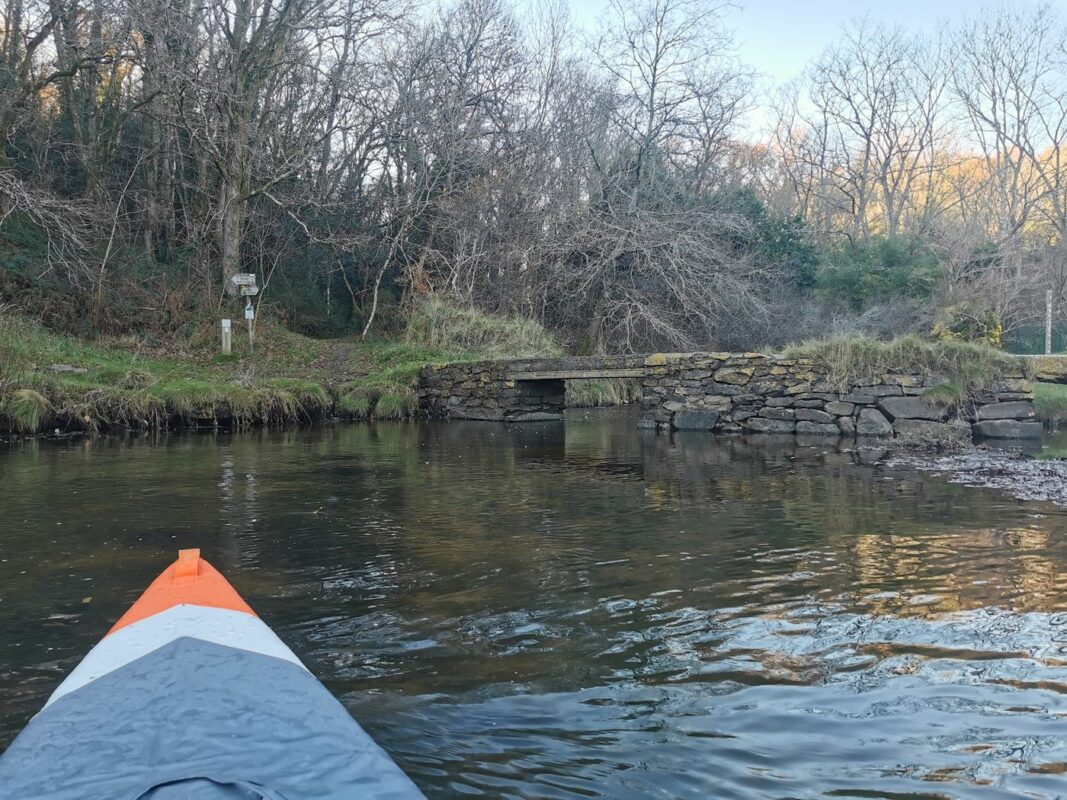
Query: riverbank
[52, 383]
[57, 383]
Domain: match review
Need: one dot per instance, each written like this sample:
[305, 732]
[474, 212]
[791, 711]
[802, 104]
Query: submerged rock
[764, 425]
[695, 420]
[817, 428]
[814, 415]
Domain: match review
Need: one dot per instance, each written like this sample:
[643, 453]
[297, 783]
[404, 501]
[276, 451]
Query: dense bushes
[771, 241]
[879, 270]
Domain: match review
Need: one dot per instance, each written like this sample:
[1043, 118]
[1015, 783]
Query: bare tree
[1007, 92]
[861, 136]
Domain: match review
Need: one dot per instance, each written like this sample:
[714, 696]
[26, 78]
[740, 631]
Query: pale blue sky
[778, 37]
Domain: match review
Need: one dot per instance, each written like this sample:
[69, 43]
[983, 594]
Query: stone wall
[754, 393]
[481, 390]
[730, 393]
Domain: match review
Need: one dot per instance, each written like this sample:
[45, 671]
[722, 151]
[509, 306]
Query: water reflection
[589, 611]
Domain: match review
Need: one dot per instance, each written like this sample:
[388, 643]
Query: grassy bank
[437, 332]
[1050, 403]
[50, 381]
[963, 368]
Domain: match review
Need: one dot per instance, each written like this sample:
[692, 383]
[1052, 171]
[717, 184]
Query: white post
[1048, 322]
[250, 315]
[227, 337]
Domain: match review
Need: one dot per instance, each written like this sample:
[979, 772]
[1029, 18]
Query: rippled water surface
[585, 611]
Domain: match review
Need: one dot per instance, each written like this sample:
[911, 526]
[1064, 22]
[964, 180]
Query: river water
[583, 611]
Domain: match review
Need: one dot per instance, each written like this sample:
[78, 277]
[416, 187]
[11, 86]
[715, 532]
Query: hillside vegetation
[544, 198]
[147, 162]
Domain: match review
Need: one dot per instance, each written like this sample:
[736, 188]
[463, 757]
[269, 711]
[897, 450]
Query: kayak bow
[191, 695]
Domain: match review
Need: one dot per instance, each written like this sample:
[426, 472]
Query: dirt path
[339, 360]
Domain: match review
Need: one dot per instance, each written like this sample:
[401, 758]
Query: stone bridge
[738, 393]
[523, 390]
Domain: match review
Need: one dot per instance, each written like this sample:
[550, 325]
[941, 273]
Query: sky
[779, 37]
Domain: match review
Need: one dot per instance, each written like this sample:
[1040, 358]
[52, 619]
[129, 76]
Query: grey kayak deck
[196, 719]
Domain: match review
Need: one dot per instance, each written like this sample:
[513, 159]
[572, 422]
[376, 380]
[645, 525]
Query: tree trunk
[229, 235]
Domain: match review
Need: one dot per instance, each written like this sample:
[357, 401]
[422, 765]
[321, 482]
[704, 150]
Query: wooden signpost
[246, 283]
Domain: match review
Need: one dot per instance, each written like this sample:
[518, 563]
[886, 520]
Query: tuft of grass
[356, 401]
[965, 366]
[947, 395]
[189, 398]
[596, 393]
[445, 326]
[137, 379]
[24, 409]
[275, 405]
[1050, 404]
[311, 398]
[249, 405]
[393, 405]
[116, 407]
[390, 375]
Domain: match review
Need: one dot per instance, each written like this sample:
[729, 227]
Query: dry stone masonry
[514, 391]
[755, 393]
[733, 393]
